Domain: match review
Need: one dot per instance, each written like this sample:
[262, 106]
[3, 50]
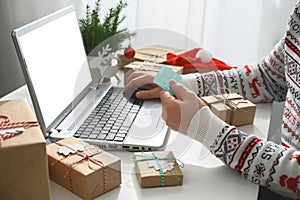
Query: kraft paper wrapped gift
[232, 108]
[146, 66]
[88, 173]
[23, 168]
[153, 53]
[157, 169]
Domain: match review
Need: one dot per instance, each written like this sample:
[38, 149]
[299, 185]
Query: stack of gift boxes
[149, 58]
[153, 53]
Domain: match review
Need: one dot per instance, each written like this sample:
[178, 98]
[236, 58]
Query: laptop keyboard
[111, 119]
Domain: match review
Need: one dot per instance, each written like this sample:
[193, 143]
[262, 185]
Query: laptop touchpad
[148, 122]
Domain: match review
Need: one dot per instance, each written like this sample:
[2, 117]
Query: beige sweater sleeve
[205, 126]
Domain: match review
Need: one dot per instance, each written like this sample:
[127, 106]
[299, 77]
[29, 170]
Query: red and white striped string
[6, 136]
[7, 124]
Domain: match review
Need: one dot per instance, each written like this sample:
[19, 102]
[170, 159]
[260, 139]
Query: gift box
[147, 66]
[158, 169]
[24, 169]
[153, 53]
[84, 169]
[232, 108]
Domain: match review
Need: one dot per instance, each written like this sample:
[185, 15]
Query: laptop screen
[56, 62]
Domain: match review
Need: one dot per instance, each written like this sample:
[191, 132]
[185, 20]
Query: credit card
[163, 77]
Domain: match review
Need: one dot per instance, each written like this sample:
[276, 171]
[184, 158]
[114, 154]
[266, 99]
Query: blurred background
[236, 31]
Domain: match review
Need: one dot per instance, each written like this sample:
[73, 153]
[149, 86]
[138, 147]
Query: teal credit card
[163, 77]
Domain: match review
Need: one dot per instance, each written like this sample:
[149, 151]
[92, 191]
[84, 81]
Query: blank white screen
[57, 64]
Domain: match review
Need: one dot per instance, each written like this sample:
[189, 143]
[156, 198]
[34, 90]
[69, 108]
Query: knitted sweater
[276, 77]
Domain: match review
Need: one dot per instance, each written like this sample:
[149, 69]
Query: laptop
[66, 101]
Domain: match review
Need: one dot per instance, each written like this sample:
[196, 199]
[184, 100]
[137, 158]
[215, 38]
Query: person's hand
[178, 111]
[140, 78]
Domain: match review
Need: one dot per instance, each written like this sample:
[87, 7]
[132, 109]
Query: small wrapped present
[232, 108]
[23, 169]
[158, 169]
[154, 53]
[82, 168]
[147, 66]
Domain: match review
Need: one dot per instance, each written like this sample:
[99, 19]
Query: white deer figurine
[107, 64]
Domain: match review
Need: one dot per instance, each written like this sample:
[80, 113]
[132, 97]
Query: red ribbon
[87, 157]
[4, 137]
[7, 124]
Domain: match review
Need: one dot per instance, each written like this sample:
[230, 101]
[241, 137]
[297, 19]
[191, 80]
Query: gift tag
[164, 165]
[66, 150]
[163, 77]
[238, 101]
[11, 131]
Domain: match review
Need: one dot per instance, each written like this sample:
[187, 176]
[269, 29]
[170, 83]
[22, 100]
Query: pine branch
[94, 32]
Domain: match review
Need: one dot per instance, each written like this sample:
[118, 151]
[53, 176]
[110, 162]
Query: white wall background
[241, 31]
[166, 22]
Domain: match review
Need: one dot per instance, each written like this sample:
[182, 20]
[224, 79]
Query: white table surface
[205, 177]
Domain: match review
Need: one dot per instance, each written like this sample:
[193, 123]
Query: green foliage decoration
[97, 33]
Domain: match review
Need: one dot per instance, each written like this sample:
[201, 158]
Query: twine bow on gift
[10, 129]
[84, 156]
[228, 102]
[156, 158]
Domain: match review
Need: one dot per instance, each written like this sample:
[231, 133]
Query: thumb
[181, 92]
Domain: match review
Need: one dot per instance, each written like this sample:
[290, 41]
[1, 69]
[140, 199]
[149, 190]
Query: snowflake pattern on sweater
[276, 77]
